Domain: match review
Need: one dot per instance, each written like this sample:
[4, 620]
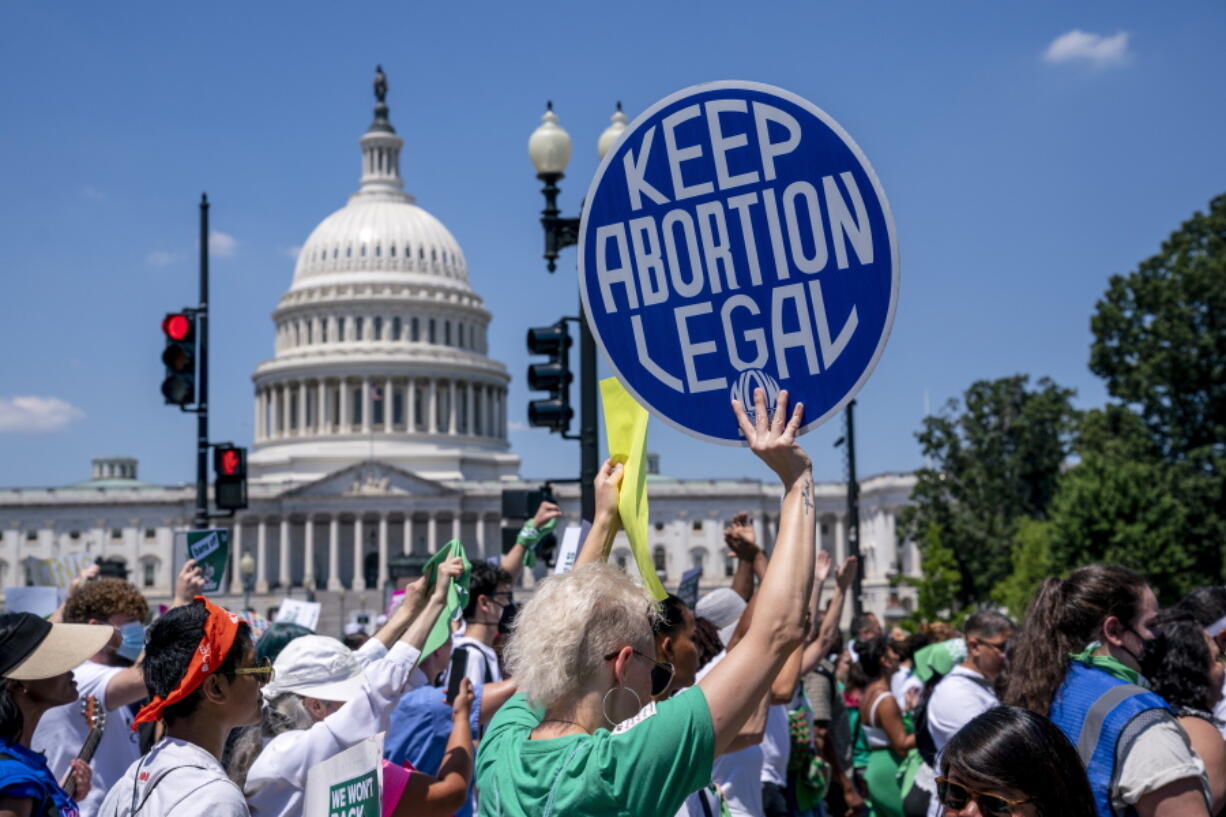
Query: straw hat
[32, 648]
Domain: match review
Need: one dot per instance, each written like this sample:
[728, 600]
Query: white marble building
[380, 431]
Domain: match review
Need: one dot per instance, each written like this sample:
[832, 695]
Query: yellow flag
[625, 424]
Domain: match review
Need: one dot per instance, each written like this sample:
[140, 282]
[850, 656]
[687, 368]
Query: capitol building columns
[380, 405]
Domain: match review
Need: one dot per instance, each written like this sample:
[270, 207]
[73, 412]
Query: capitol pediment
[371, 479]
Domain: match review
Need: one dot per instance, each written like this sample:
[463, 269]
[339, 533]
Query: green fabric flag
[457, 594]
[940, 658]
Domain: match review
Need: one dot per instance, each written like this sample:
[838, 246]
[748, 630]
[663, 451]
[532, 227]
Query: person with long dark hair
[882, 722]
[1077, 659]
[1208, 606]
[1185, 667]
[1010, 762]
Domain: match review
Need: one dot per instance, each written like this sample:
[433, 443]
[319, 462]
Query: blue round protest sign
[734, 238]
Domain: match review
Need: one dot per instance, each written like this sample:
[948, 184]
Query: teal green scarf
[457, 594]
[1109, 664]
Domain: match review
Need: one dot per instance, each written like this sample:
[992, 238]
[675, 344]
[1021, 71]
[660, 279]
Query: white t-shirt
[62, 731]
[480, 657]
[177, 779]
[276, 782]
[776, 746]
[901, 682]
[1160, 755]
[739, 774]
[956, 700]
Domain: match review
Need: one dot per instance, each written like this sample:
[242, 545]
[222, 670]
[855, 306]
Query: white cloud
[160, 258]
[93, 194]
[222, 244]
[293, 251]
[1098, 50]
[31, 414]
[516, 425]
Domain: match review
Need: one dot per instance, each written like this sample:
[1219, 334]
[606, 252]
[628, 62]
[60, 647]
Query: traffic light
[230, 477]
[554, 376]
[179, 387]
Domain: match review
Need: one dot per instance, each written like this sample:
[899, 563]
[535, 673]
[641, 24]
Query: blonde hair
[561, 636]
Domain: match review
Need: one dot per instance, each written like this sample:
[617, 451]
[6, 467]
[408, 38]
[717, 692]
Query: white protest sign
[297, 611]
[57, 571]
[349, 784]
[568, 550]
[41, 601]
[735, 237]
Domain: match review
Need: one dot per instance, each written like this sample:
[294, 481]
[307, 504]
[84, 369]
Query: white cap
[316, 666]
[723, 608]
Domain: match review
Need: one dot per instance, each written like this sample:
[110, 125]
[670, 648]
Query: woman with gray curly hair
[578, 739]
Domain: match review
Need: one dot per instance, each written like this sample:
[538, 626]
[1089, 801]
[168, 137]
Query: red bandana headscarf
[220, 629]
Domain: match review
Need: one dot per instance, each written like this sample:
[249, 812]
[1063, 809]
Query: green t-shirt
[646, 766]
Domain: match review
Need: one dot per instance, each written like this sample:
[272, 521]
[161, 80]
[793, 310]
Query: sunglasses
[262, 672]
[956, 796]
[661, 673]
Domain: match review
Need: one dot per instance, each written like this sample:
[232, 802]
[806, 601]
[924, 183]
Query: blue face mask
[133, 640]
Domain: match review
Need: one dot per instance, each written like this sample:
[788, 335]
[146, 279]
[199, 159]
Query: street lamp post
[549, 147]
[246, 568]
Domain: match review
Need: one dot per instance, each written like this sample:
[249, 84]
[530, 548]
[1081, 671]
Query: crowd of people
[595, 698]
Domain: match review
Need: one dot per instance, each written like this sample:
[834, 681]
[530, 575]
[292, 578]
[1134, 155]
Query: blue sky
[1029, 151]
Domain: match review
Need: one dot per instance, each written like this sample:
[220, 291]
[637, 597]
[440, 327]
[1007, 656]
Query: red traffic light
[177, 326]
[229, 462]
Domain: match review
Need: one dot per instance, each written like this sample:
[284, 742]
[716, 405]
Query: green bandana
[530, 536]
[1109, 664]
[457, 595]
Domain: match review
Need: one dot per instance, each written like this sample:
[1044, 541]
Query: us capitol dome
[381, 349]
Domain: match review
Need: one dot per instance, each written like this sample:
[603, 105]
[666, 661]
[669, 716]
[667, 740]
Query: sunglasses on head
[956, 796]
[661, 673]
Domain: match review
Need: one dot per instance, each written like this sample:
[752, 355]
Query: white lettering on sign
[736, 231]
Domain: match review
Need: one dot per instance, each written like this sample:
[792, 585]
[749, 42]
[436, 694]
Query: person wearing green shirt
[584, 736]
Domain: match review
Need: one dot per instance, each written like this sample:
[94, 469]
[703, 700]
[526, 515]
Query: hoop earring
[604, 703]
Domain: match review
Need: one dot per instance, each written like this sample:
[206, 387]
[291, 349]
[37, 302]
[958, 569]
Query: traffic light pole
[588, 431]
[853, 512]
[202, 406]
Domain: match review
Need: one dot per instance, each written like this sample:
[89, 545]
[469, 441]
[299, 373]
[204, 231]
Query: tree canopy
[1021, 485]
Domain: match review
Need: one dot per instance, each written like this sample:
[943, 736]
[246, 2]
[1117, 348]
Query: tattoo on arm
[806, 495]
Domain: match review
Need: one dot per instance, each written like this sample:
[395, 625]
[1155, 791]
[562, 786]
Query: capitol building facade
[380, 433]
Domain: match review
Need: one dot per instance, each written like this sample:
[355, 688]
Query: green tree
[1150, 488]
[995, 458]
[937, 591]
[1032, 563]
[1160, 340]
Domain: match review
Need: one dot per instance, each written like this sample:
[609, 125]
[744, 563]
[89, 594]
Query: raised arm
[819, 647]
[411, 604]
[608, 520]
[746, 551]
[444, 794]
[419, 629]
[529, 535]
[780, 618]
